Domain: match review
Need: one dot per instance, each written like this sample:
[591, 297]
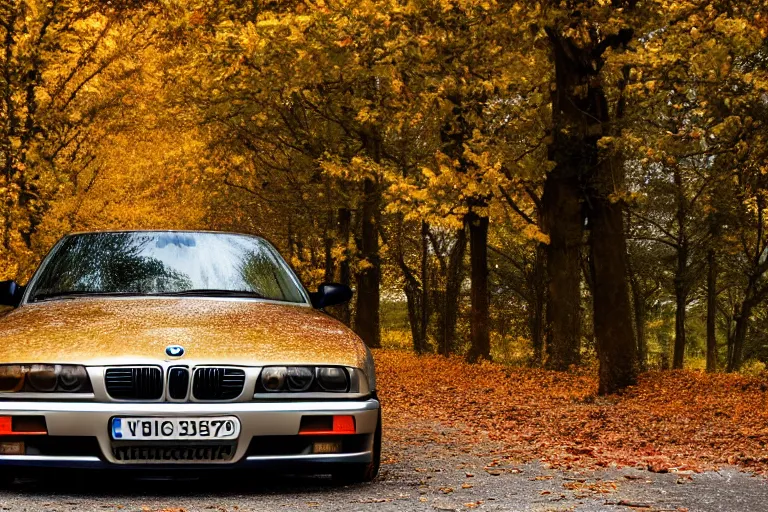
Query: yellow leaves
[363, 265]
[532, 232]
[345, 42]
[268, 20]
[339, 252]
[357, 169]
[663, 422]
[727, 127]
[365, 115]
[742, 34]
[695, 34]
[605, 143]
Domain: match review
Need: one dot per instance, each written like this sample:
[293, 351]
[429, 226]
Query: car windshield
[165, 263]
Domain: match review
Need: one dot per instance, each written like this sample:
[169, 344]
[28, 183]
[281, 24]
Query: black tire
[362, 473]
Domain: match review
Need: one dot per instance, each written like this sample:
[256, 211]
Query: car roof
[191, 231]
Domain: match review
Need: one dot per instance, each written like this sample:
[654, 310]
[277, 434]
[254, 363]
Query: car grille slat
[170, 453]
[218, 383]
[178, 382]
[140, 383]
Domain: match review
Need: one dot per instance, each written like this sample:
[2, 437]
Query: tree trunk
[682, 278]
[564, 223]
[479, 320]
[580, 119]
[369, 276]
[638, 301]
[330, 267]
[681, 301]
[539, 299]
[562, 213]
[448, 300]
[345, 274]
[739, 337]
[414, 301]
[289, 236]
[711, 311]
[642, 341]
[751, 300]
[730, 320]
[614, 336]
[416, 292]
[612, 311]
[425, 309]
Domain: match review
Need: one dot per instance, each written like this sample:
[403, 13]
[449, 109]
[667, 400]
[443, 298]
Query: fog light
[14, 448]
[327, 447]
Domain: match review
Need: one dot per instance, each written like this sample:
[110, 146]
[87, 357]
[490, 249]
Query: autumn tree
[60, 63]
[684, 133]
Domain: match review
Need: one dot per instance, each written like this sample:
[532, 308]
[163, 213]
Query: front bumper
[273, 421]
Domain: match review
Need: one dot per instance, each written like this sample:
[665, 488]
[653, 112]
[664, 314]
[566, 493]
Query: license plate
[164, 429]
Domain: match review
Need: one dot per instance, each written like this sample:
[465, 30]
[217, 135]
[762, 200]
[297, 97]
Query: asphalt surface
[416, 476]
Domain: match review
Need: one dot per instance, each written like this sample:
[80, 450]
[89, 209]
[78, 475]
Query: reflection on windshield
[145, 263]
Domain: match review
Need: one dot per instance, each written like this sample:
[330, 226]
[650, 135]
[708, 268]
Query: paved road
[419, 476]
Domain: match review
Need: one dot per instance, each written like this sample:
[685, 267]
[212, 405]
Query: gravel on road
[425, 476]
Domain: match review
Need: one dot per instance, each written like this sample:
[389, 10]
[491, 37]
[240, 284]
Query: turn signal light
[23, 426]
[326, 425]
[344, 424]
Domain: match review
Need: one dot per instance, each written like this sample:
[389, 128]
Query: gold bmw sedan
[168, 349]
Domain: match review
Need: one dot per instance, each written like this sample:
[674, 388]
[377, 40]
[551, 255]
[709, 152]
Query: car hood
[137, 330]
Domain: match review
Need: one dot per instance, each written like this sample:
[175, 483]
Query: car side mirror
[330, 294]
[10, 293]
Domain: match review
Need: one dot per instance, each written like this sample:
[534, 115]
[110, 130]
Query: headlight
[298, 379]
[44, 378]
[11, 378]
[273, 379]
[74, 379]
[333, 378]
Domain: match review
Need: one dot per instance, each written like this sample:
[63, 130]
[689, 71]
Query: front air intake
[173, 452]
[218, 383]
[144, 383]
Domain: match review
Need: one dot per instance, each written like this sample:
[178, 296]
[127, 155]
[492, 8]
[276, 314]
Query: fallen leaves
[670, 422]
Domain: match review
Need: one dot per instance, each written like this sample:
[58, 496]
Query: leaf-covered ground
[682, 420]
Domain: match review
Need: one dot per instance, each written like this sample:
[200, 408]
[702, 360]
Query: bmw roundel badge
[174, 350]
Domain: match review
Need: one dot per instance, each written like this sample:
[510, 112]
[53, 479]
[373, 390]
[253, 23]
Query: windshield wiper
[208, 292]
[78, 293]
[201, 292]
